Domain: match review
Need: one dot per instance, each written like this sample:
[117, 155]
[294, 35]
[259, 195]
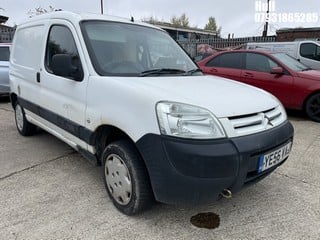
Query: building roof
[289, 30]
[5, 27]
[3, 19]
[168, 26]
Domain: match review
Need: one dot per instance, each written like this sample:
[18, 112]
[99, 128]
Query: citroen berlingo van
[127, 97]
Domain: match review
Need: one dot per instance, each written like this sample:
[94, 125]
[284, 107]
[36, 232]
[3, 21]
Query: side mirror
[67, 65]
[277, 70]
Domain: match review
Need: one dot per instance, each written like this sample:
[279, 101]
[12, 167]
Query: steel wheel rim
[19, 117]
[118, 179]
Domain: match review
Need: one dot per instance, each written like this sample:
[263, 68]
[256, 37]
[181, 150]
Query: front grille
[253, 123]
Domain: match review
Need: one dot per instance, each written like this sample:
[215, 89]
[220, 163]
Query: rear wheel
[313, 107]
[126, 178]
[24, 127]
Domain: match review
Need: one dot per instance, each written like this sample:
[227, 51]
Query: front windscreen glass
[291, 62]
[124, 49]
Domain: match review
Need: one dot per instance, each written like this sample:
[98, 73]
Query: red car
[294, 84]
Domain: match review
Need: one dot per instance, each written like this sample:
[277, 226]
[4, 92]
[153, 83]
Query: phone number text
[286, 17]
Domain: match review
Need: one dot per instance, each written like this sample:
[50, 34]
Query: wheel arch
[13, 99]
[106, 134]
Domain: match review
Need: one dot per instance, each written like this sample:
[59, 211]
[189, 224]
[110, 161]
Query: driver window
[61, 41]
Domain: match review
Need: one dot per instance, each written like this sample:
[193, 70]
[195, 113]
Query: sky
[243, 18]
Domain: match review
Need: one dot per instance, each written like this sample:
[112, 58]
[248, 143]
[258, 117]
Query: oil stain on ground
[207, 220]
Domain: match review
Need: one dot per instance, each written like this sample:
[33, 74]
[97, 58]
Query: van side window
[310, 50]
[61, 41]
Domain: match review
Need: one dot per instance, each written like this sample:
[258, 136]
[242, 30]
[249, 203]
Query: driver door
[63, 99]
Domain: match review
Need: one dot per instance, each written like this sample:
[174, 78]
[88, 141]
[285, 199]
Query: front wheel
[313, 107]
[24, 127]
[126, 178]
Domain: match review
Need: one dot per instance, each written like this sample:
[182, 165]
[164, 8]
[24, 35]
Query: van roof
[77, 17]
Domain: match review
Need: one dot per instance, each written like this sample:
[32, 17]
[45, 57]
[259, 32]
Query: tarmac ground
[48, 191]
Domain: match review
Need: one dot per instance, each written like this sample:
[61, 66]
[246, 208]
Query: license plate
[274, 158]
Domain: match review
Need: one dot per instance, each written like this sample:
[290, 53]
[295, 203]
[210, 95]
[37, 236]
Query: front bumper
[196, 171]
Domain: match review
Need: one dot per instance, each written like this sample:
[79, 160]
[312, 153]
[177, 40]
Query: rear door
[26, 53]
[257, 72]
[226, 65]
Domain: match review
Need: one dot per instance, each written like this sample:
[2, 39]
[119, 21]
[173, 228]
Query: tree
[182, 21]
[212, 26]
[151, 20]
[40, 10]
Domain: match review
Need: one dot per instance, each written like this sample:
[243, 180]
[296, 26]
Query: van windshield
[124, 49]
[291, 62]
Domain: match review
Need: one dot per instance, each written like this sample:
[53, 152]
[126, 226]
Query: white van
[307, 52]
[126, 96]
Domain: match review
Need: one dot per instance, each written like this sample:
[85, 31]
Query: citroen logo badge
[269, 121]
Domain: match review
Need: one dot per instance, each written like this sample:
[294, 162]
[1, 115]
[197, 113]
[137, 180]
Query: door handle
[213, 70]
[247, 74]
[38, 77]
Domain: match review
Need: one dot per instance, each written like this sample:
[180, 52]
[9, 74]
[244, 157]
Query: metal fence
[191, 46]
[6, 33]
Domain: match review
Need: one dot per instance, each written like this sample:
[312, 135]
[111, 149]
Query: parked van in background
[307, 52]
[127, 97]
[4, 68]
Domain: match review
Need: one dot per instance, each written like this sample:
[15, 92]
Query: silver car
[4, 68]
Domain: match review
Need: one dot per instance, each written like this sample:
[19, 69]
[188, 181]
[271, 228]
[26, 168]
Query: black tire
[126, 178]
[313, 107]
[24, 127]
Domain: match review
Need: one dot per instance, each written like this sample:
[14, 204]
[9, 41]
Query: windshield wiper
[161, 71]
[190, 72]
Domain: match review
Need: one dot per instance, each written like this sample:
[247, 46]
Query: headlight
[187, 121]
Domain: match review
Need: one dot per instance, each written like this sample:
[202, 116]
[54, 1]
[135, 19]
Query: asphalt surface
[48, 191]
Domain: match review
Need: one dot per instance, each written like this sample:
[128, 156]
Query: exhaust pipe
[226, 193]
